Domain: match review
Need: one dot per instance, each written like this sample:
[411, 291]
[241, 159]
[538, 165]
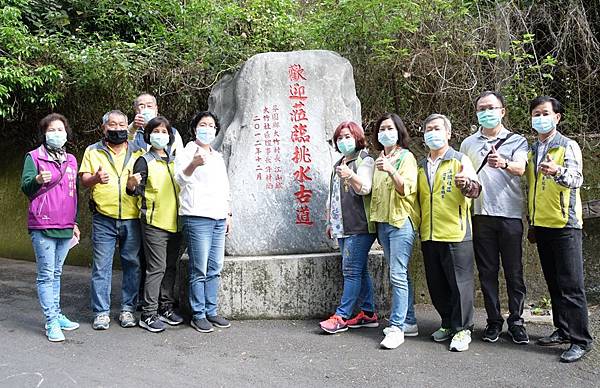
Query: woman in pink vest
[49, 179]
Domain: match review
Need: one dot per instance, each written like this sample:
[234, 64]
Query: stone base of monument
[286, 286]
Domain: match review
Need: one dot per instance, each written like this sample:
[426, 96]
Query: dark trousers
[449, 273]
[162, 250]
[495, 238]
[560, 251]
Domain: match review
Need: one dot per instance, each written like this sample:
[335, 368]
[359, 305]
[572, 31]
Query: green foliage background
[414, 57]
[83, 57]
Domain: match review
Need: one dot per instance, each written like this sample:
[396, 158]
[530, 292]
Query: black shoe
[218, 321]
[574, 353]
[202, 325]
[553, 339]
[171, 317]
[518, 334]
[492, 332]
[152, 323]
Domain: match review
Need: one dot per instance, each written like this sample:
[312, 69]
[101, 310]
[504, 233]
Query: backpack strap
[497, 145]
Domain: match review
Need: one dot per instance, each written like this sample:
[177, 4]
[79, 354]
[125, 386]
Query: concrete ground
[259, 353]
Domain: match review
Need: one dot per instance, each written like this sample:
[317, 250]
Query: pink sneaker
[361, 320]
[335, 324]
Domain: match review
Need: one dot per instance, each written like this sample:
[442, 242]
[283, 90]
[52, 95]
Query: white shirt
[433, 165]
[206, 192]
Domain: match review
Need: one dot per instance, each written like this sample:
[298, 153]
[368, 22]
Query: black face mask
[116, 137]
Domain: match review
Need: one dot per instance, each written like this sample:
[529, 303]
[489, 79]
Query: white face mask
[388, 138]
[206, 135]
[56, 139]
[435, 139]
[543, 124]
[148, 114]
[159, 140]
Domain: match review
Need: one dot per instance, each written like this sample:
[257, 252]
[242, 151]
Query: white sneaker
[460, 341]
[411, 330]
[394, 337]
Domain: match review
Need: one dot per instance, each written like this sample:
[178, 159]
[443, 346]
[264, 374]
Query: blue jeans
[50, 254]
[397, 246]
[357, 281]
[106, 233]
[206, 250]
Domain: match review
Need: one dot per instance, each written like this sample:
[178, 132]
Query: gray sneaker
[442, 334]
[126, 319]
[218, 321]
[202, 325]
[411, 330]
[101, 322]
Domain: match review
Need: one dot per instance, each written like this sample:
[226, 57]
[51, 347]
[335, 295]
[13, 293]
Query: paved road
[259, 353]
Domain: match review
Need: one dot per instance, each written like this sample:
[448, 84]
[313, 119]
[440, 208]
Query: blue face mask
[148, 114]
[206, 135]
[387, 138]
[56, 139]
[159, 140]
[435, 139]
[489, 118]
[346, 146]
[543, 124]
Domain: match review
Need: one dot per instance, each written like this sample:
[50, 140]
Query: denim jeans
[397, 246]
[206, 250]
[357, 281]
[50, 254]
[107, 232]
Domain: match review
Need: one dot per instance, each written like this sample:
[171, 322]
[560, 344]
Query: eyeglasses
[489, 108]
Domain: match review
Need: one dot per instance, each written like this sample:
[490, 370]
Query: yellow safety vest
[445, 211]
[159, 202]
[111, 199]
[551, 205]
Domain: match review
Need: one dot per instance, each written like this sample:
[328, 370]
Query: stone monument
[277, 117]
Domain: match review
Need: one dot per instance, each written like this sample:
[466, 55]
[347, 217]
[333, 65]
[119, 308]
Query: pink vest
[54, 206]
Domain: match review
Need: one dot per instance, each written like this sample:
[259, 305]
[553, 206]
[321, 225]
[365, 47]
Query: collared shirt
[501, 193]
[206, 192]
[570, 174]
[432, 167]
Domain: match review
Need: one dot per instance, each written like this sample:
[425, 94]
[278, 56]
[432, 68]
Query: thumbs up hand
[383, 164]
[548, 167]
[101, 176]
[460, 180]
[133, 180]
[343, 170]
[43, 177]
[200, 157]
[495, 160]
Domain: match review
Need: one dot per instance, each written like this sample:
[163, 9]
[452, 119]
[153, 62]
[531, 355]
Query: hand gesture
[139, 121]
[383, 164]
[460, 180]
[495, 160]
[101, 176]
[76, 232]
[200, 158]
[133, 180]
[328, 233]
[548, 167]
[343, 170]
[43, 177]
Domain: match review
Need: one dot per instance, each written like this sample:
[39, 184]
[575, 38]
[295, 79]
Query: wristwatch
[505, 165]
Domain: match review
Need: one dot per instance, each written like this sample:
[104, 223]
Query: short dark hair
[198, 117]
[557, 107]
[403, 137]
[498, 95]
[355, 130]
[45, 122]
[155, 122]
